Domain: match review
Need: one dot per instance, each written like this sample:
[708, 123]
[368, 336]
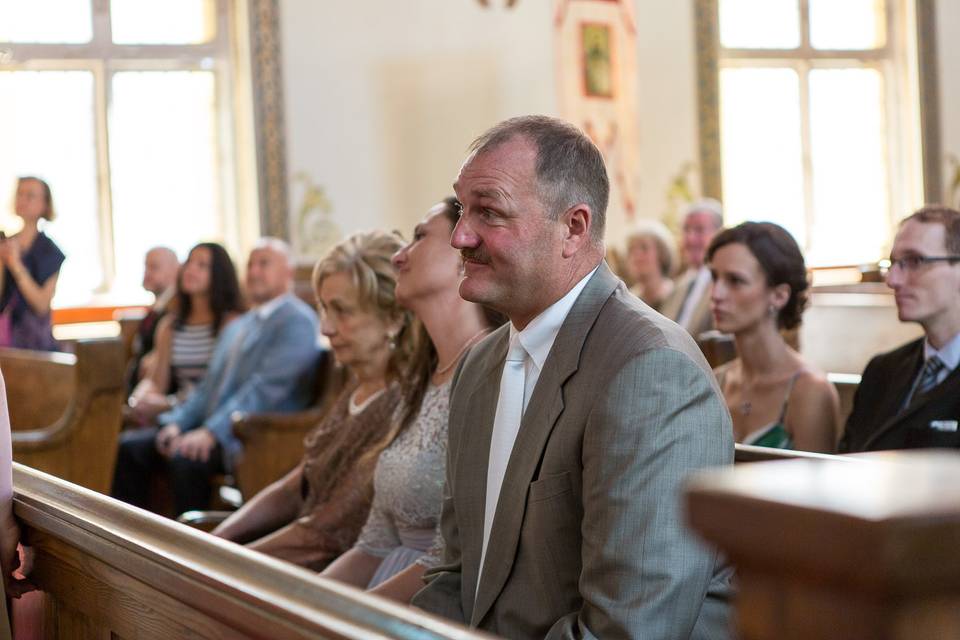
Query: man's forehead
[920, 237]
[697, 219]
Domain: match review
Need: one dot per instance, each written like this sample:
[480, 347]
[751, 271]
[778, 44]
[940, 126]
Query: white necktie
[506, 424]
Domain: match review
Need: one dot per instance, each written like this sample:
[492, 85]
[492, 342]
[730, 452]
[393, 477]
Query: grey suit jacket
[701, 319]
[588, 539]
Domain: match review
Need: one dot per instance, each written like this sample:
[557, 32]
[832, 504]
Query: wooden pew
[837, 548]
[65, 409]
[273, 442]
[110, 570]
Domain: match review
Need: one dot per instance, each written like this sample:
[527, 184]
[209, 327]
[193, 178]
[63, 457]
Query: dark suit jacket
[875, 422]
[588, 539]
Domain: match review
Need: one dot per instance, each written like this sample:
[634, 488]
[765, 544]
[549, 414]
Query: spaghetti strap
[786, 398]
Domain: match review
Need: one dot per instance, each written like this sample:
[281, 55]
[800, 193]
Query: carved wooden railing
[111, 570]
[65, 409]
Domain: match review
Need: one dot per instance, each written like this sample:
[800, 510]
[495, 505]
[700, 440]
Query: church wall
[382, 99]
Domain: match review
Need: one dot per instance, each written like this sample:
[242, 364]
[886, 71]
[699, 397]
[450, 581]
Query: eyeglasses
[914, 263]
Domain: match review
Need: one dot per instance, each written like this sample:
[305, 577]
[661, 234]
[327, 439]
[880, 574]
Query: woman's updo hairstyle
[779, 257]
[365, 258]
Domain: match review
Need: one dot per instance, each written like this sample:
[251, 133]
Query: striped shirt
[191, 351]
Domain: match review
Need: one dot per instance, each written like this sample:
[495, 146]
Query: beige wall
[383, 97]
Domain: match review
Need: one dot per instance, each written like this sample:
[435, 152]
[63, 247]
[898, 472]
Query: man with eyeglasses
[910, 397]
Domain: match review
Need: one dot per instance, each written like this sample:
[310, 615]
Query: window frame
[901, 15]
[244, 56]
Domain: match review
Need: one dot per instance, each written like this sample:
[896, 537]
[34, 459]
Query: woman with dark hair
[776, 398]
[208, 298]
[400, 539]
[314, 513]
[30, 264]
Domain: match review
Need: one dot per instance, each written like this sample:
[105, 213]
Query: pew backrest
[65, 410]
[112, 570]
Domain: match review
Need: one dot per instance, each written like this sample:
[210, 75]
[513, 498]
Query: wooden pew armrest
[246, 426]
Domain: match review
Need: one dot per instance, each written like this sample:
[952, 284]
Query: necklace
[469, 343]
[745, 407]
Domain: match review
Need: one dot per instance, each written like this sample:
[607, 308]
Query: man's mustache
[475, 255]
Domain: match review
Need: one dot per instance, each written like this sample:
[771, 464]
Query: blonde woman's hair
[665, 242]
[366, 258]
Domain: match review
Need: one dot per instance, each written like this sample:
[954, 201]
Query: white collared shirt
[949, 355]
[539, 335]
[697, 291]
[265, 310]
[537, 339]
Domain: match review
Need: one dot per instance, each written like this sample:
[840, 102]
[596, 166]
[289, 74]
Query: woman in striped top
[208, 298]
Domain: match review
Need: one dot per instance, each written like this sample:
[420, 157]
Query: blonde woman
[315, 512]
[650, 260]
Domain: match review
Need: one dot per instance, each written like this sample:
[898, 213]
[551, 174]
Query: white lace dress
[408, 488]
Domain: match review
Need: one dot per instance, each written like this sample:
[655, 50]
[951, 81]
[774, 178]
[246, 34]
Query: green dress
[775, 434]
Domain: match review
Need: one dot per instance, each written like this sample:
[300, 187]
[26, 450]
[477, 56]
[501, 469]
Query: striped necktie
[928, 376]
[926, 380]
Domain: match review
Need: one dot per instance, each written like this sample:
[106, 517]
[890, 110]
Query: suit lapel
[473, 452]
[546, 405]
[901, 380]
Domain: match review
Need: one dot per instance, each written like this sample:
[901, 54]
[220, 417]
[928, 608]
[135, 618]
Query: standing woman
[776, 398]
[399, 541]
[208, 298]
[30, 263]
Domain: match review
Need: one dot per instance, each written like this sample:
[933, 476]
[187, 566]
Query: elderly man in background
[573, 427]
[264, 361]
[689, 304]
[160, 268]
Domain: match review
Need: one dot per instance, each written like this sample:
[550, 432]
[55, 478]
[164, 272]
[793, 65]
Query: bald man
[264, 361]
[160, 267]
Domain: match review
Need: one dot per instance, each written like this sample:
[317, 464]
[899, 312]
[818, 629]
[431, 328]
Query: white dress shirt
[537, 339]
[697, 290]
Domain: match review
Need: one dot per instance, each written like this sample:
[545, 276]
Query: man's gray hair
[570, 168]
[277, 245]
[707, 205]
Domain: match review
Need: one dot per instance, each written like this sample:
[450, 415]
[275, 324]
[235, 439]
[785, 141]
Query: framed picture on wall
[597, 46]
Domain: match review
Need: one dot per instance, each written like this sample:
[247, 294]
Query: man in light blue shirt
[264, 361]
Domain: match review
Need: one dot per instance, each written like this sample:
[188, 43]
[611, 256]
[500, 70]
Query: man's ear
[577, 222]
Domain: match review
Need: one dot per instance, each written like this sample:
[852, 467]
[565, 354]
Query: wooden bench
[109, 570]
[833, 548]
[273, 442]
[65, 409]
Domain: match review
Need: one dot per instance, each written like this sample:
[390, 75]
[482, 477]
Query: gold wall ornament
[679, 194]
[509, 4]
[316, 232]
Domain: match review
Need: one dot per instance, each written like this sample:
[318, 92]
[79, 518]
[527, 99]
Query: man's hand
[196, 445]
[167, 439]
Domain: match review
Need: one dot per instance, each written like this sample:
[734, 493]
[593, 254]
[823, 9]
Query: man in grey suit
[573, 427]
[263, 361]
